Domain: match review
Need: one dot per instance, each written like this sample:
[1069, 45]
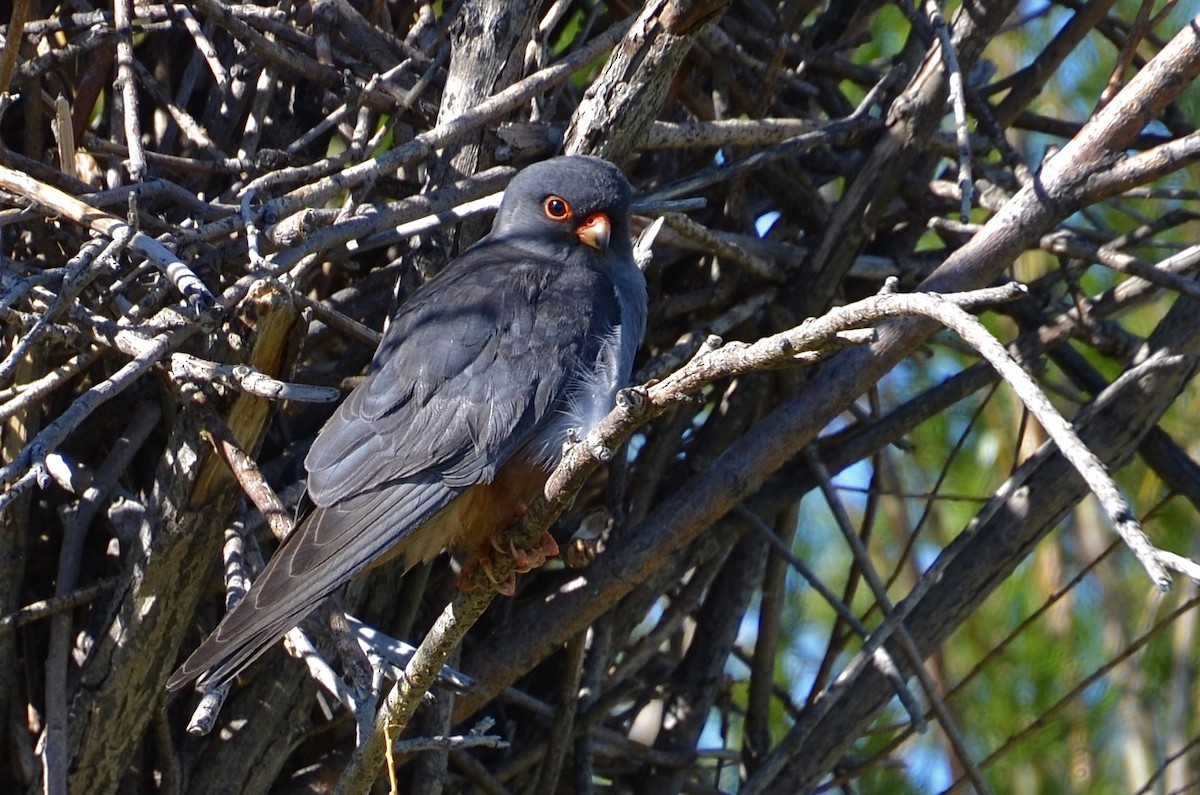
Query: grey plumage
[526, 335]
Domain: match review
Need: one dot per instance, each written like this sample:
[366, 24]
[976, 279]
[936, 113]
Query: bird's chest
[592, 395]
[598, 367]
[589, 396]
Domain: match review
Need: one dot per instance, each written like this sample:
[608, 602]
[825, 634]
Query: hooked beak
[595, 231]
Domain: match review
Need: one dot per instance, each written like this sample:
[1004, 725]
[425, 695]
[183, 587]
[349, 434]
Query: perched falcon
[482, 374]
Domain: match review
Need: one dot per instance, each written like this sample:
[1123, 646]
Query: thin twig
[64, 204]
[248, 380]
[958, 100]
[78, 274]
[32, 456]
[45, 608]
[906, 697]
[127, 84]
[862, 559]
[422, 145]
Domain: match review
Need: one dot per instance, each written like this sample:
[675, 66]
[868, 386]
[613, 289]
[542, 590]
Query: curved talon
[524, 560]
[483, 560]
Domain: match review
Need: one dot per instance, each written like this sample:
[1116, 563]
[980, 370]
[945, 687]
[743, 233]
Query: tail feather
[329, 547]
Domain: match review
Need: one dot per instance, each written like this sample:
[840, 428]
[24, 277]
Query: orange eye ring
[557, 208]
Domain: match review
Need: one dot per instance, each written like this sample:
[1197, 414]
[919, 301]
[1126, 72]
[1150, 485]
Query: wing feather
[462, 379]
[477, 364]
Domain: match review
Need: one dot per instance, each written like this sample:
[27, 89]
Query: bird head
[576, 206]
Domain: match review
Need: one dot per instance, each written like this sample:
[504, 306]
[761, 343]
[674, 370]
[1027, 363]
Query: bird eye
[557, 208]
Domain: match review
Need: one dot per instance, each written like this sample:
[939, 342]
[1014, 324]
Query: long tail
[329, 547]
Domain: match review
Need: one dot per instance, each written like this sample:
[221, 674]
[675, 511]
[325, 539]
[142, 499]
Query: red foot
[482, 559]
[523, 561]
[528, 560]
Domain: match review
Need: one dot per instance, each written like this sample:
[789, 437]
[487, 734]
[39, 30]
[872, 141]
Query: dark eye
[557, 208]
